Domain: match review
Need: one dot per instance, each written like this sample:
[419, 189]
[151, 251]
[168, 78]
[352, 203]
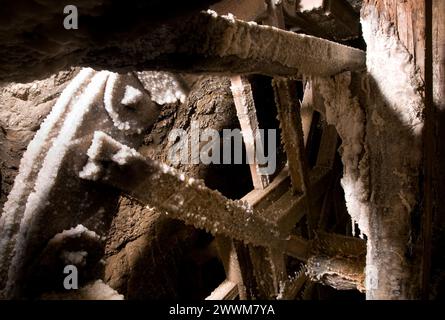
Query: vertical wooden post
[434, 153]
[396, 146]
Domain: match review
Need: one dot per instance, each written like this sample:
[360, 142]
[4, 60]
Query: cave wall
[23, 106]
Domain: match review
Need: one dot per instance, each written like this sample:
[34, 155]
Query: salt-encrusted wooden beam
[208, 43]
[233, 267]
[288, 108]
[180, 197]
[247, 117]
[155, 184]
[338, 261]
[227, 290]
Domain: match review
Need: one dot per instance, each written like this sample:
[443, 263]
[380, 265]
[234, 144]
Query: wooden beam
[434, 215]
[293, 285]
[180, 197]
[391, 272]
[328, 147]
[338, 261]
[246, 112]
[275, 16]
[232, 265]
[260, 199]
[307, 111]
[224, 46]
[227, 290]
[292, 134]
[187, 199]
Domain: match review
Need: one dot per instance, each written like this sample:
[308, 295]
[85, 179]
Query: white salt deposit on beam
[306, 55]
[180, 197]
[187, 199]
[308, 5]
[226, 45]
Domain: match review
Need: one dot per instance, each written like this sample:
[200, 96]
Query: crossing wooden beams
[154, 184]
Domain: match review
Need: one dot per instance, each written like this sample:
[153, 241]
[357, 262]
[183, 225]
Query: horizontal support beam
[208, 43]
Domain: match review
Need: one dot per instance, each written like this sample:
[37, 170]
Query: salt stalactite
[48, 196]
[343, 110]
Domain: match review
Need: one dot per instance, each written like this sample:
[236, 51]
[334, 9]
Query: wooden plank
[224, 46]
[154, 184]
[269, 269]
[231, 263]
[328, 147]
[261, 199]
[293, 285]
[433, 215]
[279, 205]
[434, 221]
[439, 54]
[181, 197]
[246, 112]
[275, 16]
[289, 209]
[307, 111]
[227, 290]
[288, 108]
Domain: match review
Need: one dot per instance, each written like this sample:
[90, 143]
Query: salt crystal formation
[48, 196]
